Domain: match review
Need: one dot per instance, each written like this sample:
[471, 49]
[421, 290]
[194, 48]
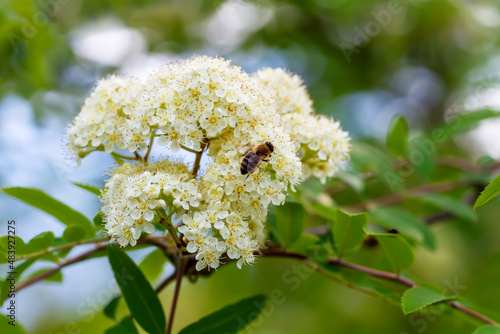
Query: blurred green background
[363, 62]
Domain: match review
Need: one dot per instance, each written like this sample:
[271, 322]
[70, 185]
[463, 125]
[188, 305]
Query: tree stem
[375, 273]
[181, 263]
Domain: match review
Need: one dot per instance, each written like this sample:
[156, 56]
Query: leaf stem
[121, 156]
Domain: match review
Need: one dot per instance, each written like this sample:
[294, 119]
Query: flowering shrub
[261, 140]
[205, 105]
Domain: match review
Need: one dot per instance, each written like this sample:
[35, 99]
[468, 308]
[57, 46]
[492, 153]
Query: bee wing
[244, 149]
[253, 162]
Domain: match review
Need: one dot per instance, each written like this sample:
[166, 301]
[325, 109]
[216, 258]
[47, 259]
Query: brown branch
[52, 271]
[153, 240]
[375, 273]
[166, 282]
[181, 264]
[62, 247]
[196, 166]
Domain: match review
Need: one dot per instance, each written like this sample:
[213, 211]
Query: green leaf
[110, 309]
[397, 249]
[304, 242]
[73, 233]
[290, 220]
[15, 243]
[348, 231]
[6, 328]
[6, 284]
[322, 210]
[152, 264]
[457, 208]
[44, 202]
[40, 242]
[89, 188]
[125, 326]
[423, 151]
[488, 329]
[355, 180]
[397, 136]
[405, 223]
[488, 193]
[141, 299]
[55, 277]
[417, 298]
[465, 121]
[230, 319]
[98, 220]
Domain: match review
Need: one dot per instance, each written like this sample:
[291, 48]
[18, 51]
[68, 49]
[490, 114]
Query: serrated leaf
[89, 188]
[491, 190]
[6, 328]
[397, 136]
[152, 264]
[141, 299]
[488, 329]
[397, 249]
[57, 209]
[230, 319]
[125, 326]
[110, 309]
[289, 224]
[348, 231]
[417, 298]
[457, 208]
[405, 223]
[73, 233]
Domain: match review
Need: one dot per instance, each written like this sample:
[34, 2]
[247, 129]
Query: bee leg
[247, 176]
[265, 160]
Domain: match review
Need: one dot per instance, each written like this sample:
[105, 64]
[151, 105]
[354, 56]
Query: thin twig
[121, 156]
[189, 149]
[166, 282]
[62, 247]
[181, 263]
[375, 273]
[52, 271]
[197, 160]
[146, 157]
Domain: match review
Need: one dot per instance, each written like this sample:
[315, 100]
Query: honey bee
[253, 156]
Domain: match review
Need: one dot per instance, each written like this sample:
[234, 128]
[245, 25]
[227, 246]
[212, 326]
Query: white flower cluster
[209, 106]
[324, 146]
[135, 194]
[104, 121]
